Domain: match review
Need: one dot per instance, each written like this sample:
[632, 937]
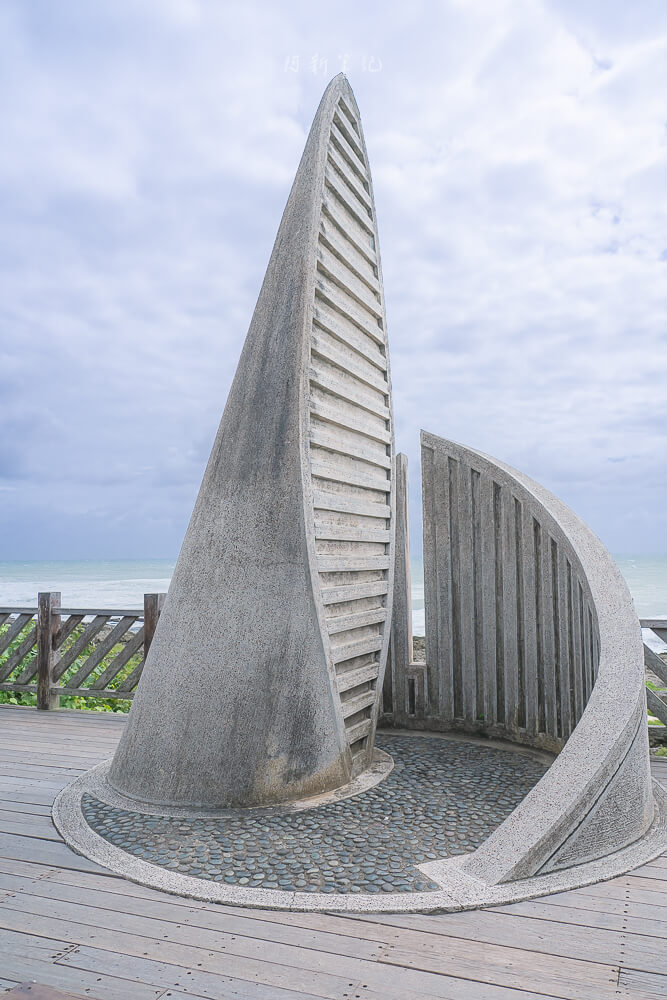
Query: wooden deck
[67, 923]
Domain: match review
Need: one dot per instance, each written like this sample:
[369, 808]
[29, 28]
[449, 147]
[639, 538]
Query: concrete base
[457, 890]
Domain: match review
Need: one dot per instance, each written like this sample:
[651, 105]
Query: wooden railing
[656, 706]
[94, 653]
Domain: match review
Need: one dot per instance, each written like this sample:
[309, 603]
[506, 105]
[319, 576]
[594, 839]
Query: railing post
[48, 623]
[152, 608]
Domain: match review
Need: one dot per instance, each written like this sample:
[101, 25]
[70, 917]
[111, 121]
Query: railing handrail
[110, 612]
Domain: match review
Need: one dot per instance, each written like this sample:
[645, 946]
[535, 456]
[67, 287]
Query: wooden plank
[70, 978]
[564, 977]
[12, 632]
[656, 706]
[569, 978]
[200, 982]
[261, 967]
[69, 716]
[605, 917]
[29, 808]
[642, 985]
[48, 624]
[341, 934]
[68, 761]
[100, 651]
[614, 891]
[65, 630]
[77, 647]
[17, 770]
[326, 986]
[207, 927]
[120, 977]
[116, 665]
[32, 795]
[547, 937]
[40, 992]
[653, 871]
[17, 657]
[43, 852]
[28, 825]
[89, 692]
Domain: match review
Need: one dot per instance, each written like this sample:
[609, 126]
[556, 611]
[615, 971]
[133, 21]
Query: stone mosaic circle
[444, 797]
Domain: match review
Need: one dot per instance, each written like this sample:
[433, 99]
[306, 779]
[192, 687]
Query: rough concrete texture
[555, 658]
[261, 681]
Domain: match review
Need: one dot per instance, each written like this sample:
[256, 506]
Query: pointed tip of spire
[340, 86]
[340, 82]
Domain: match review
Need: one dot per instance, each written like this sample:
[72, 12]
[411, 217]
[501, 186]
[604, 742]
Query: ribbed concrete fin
[262, 716]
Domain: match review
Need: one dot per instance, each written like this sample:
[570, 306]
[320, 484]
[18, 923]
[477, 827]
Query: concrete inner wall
[530, 636]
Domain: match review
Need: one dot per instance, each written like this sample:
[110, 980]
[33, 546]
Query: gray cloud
[518, 154]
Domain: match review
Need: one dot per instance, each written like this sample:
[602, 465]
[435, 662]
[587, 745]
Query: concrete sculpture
[262, 680]
[262, 684]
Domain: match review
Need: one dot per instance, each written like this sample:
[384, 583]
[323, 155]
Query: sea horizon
[121, 583]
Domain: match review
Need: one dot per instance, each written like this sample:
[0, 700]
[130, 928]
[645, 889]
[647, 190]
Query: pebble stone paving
[443, 797]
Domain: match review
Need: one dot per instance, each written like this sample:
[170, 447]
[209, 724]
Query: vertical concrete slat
[520, 614]
[475, 486]
[437, 582]
[530, 624]
[488, 552]
[596, 652]
[585, 655]
[431, 607]
[566, 705]
[396, 684]
[468, 667]
[548, 638]
[510, 630]
[499, 563]
[590, 646]
[576, 644]
[539, 671]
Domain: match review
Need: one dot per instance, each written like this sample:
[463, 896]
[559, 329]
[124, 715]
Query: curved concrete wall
[262, 680]
[512, 636]
[531, 635]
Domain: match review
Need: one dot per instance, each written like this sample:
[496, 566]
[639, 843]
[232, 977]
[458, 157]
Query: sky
[519, 158]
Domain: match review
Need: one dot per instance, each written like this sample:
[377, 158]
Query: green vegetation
[23, 670]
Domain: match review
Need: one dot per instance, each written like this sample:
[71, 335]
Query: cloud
[518, 155]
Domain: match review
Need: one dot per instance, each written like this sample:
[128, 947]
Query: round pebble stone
[443, 798]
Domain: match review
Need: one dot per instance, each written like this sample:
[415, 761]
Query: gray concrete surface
[531, 634]
[261, 681]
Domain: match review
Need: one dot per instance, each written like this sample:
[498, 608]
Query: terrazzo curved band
[446, 885]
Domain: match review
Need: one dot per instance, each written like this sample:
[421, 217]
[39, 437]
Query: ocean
[122, 583]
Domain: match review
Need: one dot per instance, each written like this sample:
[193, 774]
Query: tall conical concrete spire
[262, 682]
